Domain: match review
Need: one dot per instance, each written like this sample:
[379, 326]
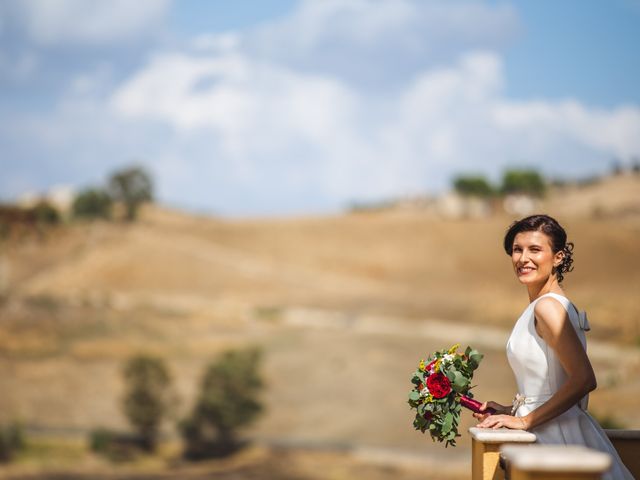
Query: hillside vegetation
[343, 306]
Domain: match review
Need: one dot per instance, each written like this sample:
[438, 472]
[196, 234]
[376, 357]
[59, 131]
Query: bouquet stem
[474, 405]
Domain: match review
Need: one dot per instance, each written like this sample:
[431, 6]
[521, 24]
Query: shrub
[92, 203]
[228, 400]
[45, 213]
[100, 439]
[116, 446]
[12, 440]
[147, 397]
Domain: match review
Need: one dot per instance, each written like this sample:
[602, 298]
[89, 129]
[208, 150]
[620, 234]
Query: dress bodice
[536, 367]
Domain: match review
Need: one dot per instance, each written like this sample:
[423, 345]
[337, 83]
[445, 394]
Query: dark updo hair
[550, 227]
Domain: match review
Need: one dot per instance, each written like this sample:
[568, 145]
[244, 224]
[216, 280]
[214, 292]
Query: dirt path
[447, 332]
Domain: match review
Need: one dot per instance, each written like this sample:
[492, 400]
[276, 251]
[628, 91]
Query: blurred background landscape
[228, 234]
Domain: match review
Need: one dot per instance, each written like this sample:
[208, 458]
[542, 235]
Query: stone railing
[485, 450]
[513, 454]
[553, 462]
[627, 443]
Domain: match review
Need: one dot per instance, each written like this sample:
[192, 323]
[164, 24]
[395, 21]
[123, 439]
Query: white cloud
[375, 42]
[329, 137]
[615, 132]
[95, 22]
[239, 99]
[340, 100]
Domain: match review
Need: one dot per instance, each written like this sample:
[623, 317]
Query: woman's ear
[557, 258]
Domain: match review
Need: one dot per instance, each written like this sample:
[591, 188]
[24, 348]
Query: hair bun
[567, 261]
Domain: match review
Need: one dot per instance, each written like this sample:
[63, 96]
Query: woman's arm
[498, 407]
[555, 328]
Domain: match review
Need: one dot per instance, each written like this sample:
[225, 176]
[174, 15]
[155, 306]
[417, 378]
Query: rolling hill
[344, 306]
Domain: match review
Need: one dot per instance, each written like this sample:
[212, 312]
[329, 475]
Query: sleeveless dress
[539, 375]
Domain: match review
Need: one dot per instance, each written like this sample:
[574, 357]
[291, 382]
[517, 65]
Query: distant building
[520, 204]
[60, 197]
[453, 205]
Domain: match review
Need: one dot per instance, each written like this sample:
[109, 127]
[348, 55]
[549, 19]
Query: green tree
[147, 396]
[528, 182]
[228, 400]
[92, 203]
[476, 186]
[132, 186]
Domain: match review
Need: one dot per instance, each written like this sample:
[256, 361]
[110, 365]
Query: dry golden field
[343, 306]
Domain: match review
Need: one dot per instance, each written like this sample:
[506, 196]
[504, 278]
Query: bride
[547, 348]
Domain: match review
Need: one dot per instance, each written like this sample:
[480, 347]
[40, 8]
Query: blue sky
[584, 49]
[287, 107]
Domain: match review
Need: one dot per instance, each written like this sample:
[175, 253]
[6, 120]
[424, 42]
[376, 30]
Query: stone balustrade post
[554, 462]
[485, 450]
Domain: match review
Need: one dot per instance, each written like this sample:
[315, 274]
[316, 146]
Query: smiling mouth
[525, 270]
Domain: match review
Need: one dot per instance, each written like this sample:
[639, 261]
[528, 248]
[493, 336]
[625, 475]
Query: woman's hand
[500, 409]
[506, 421]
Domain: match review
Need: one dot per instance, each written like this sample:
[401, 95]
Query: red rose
[439, 386]
[431, 364]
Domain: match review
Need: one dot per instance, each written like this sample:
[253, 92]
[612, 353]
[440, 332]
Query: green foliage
[147, 397]
[92, 203]
[132, 186]
[100, 439]
[12, 440]
[113, 445]
[477, 186]
[45, 213]
[528, 182]
[228, 400]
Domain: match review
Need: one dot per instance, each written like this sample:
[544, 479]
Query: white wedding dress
[539, 375]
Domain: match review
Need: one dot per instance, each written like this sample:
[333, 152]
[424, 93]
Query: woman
[547, 347]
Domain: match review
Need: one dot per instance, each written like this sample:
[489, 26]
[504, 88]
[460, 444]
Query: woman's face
[532, 257]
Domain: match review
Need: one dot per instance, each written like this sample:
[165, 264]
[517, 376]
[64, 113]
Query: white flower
[424, 392]
[448, 358]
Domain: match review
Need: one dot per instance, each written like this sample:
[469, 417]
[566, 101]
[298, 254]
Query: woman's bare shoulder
[550, 312]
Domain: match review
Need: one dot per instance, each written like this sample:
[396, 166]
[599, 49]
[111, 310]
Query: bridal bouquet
[440, 388]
